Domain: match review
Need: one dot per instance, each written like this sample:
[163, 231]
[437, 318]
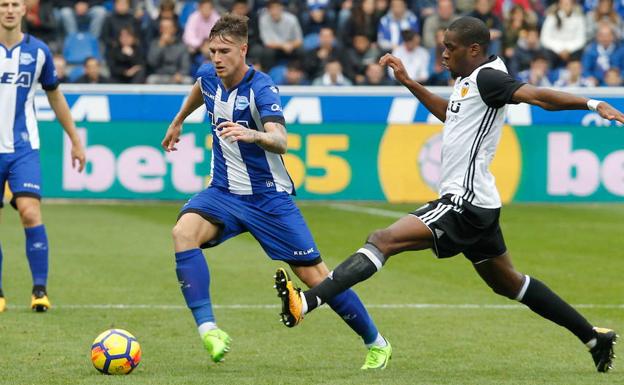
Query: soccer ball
[115, 352]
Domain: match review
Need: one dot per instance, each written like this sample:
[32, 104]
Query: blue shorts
[22, 170]
[272, 218]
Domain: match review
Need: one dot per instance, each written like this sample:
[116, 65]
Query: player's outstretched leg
[296, 303]
[500, 275]
[194, 278]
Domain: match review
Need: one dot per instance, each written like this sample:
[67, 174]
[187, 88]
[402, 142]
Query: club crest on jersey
[26, 59]
[20, 79]
[241, 102]
[464, 89]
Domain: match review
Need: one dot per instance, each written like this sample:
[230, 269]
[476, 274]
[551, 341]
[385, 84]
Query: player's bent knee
[183, 237]
[383, 240]
[30, 216]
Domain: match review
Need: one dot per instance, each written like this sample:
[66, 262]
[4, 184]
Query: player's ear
[244, 47]
[475, 49]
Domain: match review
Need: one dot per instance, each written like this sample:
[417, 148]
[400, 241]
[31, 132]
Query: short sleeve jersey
[474, 122]
[21, 68]
[244, 168]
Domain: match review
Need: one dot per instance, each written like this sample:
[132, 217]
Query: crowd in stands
[329, 42]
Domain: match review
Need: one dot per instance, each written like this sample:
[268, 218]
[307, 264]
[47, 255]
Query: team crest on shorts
[464, 89]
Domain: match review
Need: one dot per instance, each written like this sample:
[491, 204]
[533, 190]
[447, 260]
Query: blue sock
[37, 254]
[349, 307]
[194, 278]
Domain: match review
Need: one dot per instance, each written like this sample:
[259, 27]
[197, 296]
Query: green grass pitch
[103, 255]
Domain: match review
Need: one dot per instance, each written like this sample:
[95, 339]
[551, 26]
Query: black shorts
[460, 227]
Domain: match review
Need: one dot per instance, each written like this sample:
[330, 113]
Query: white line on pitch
[371, 306]
[367, 210]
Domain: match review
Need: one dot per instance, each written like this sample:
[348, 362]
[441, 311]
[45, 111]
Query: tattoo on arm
[273, 139]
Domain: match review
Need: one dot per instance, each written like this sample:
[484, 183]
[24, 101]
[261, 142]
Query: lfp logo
[21, 79]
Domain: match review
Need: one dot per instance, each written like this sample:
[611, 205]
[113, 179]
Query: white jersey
[21, 68]
[474, 120]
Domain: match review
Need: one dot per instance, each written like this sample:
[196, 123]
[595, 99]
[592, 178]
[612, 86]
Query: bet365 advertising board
[356, 144]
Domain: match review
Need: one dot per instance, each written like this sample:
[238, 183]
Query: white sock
[379, 341]
[206, 327]
[304, 304]
[591, 343]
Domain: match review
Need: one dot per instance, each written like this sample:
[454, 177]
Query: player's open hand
[172, 136]
[400, 74]
[79, 159]
[607, 111]
[234, 132]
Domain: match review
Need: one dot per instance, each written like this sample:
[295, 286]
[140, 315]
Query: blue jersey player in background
[250, 190]
[24, 62]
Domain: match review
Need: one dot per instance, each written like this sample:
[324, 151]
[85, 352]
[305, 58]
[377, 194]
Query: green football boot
[217, 342]
[378, 357]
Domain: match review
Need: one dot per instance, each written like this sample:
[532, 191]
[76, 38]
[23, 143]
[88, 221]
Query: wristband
[592, 104]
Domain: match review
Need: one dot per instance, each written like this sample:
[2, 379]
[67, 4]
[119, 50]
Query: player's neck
[478, 63]
[236, 77]
[10, 37]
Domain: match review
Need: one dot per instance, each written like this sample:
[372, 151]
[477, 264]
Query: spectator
[439, 75]
[464, 7]
[317, 17]
[483, 12]
[168, 57]
[375, 76]
[121, 17]
[423, 8]
[201, 57]
[442, 19]
[613, 78]
[39, 21]
[563, 33]
[538, 72]
[398, 19]
[604, 11]
[605, 53]
[280, 33]
[199, 25]
[242, 8]
[92, 73]
[358, 56]
[362, 21]
[332, 75]
[518, 21]
[528, 47]
[572, 76]
[414, 57]
[294, 75]
[315, 60]
[81, 15]
[60, 65]
[126, 61]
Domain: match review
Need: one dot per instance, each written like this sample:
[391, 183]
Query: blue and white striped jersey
[21, 68]
[244, 168]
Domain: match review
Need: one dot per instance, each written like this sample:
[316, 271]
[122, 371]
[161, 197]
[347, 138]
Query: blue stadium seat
[75, 73]
[187, 9]
[278, 74]
[79, 46]
[311, 41]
